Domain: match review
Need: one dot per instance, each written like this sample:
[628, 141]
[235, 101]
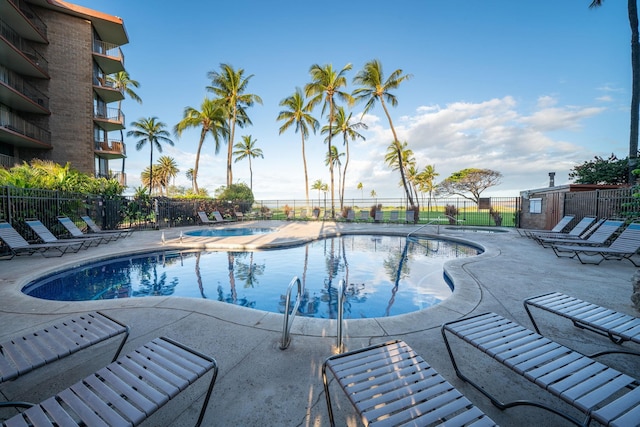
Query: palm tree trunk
[250, 175]
[635, 90]
[151, 170]
[203, 133]
[333, 214]
[232, 126]
[306, 176]
[344, 174]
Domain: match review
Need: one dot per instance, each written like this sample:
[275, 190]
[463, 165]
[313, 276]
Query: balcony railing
[102, 81]
[111, 147]
[108, 49]
[16, 124]
[31, 16]
[18, 83]
[23, 46]
[7, 161]
[110, 114]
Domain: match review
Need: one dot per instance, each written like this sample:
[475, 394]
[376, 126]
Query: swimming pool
[226, 232]
[385, 276]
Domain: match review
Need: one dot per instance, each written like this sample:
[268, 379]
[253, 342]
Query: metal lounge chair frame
[127, 391]
[600, 392]
[93, 227]
[618, 327]
[47, 236]
[389, 383]
[624, 246]
[19, 246]
[597, 237]
[22, 355]
[217, 216]
[73, 229]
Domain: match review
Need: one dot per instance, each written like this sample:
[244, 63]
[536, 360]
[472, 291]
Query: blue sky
[521, 87]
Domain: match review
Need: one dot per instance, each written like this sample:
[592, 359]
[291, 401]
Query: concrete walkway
[261, 385]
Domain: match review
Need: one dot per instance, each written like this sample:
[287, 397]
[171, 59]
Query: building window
[535, 206]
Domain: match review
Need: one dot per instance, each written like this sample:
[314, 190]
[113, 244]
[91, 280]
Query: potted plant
[450, 212]
[497, 216]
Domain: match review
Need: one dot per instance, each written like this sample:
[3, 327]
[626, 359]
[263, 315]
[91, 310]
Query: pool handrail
[341, 290]
[286, 327]
[434, 221]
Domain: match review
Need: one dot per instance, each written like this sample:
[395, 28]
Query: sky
[520, 87]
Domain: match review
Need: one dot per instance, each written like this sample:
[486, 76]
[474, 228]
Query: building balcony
[109, 119]
[18, 53]
[16, 131]
[110, 149]
[108, 56]
[107, 90]
[18, 94]
[24, 20]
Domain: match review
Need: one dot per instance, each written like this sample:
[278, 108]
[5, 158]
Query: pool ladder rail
[289, 315]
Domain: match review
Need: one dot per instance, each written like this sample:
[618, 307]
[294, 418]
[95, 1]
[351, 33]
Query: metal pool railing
[288, 318]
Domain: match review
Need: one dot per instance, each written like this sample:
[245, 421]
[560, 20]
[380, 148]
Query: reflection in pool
[385, 276]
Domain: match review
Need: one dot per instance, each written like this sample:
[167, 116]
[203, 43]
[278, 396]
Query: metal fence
[618, 203]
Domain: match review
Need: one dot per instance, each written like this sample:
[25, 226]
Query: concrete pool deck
[261, 385]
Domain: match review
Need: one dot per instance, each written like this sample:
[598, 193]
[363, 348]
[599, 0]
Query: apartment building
[59, 99]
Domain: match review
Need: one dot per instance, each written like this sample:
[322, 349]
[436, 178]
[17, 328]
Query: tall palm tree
[166, 170]
[150, 130]
[148, 181]
[211, 119]
[632, 8]
[246, 149]
[299, 113]
[191, 176]
[405, 160]
[348, 131]
[229, 86]
[375, 88]
[326, 84]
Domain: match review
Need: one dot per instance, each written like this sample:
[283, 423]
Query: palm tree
[426, 182]
[348, 131]
[375, 88]
[166, 170]
[299, 113]
[152, 131]
[373, 193]
[247, 150]
[320, 186]
[211, 119]
[632, 7]
[405, 161]
[325, 85]
[360, 187]
[147, 180]
[229, 86]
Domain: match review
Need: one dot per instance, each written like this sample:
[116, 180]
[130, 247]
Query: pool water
[226, 232]
[385, 276]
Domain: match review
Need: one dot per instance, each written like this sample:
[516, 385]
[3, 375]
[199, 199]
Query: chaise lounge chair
[73, 229]
[394, 216]
[561, 225]
[599, 237]
[48, 237]
[623, 247]
[618, 327]
[389, 384]
[600, 392]
[127, 391]
[19, 246]
[22, 355]
[575, 232]
[93, 227]
[218, 217]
